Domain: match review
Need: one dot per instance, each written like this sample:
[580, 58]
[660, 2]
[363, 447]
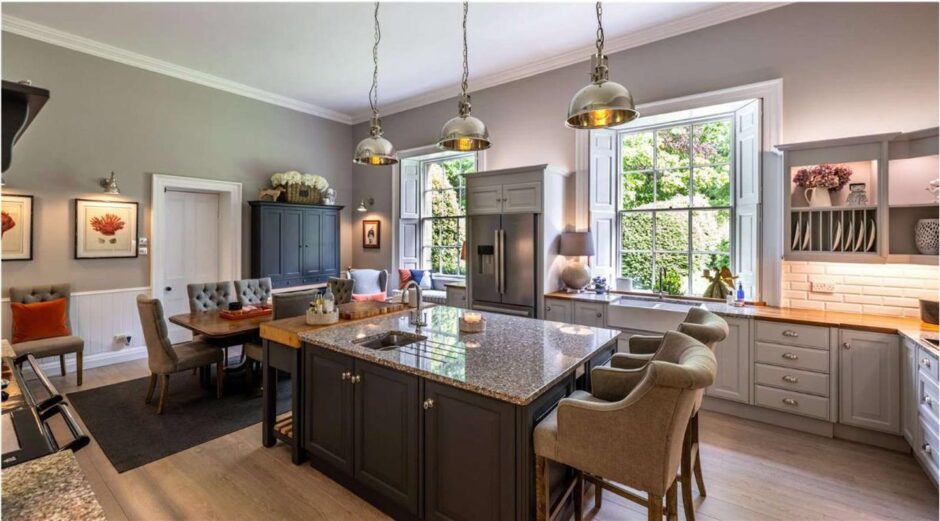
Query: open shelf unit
[895, 169]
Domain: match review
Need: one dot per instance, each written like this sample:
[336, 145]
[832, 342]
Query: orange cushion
[362, 297]
[39, 320]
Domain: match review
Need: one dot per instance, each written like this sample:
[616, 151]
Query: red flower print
[8, 222]
[107, 224]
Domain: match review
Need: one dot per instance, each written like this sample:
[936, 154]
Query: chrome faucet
[417, 316]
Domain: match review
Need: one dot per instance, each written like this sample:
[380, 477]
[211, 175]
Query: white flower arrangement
[294, 177]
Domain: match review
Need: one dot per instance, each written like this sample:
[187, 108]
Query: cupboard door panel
[483, 200]
[558, 310]
[269, 243]
[329, 408]
[734, 362]
[291, 243]
[522, 198]
[310, 245]
[869, 388]
[329, 243]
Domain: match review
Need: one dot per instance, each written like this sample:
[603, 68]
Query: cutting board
[371, 308]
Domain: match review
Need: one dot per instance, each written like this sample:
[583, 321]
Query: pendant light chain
[600, 31]
[374, 91]
[466, 68]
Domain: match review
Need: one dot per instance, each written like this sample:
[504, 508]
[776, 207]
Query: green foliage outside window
[446, 198]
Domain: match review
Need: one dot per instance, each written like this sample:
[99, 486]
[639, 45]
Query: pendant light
[375, 150]
[603, 103]
[464, 133]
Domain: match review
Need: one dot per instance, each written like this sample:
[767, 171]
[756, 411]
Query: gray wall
[847, 69]
[105, 116]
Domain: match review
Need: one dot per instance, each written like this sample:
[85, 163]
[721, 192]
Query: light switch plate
[823, 287]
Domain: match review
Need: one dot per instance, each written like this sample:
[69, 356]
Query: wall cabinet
[294, 244]
[504, 198]
[734, 360]
[869, 380]
[559, 310]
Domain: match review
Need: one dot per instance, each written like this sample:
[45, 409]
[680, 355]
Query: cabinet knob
[599, 315]
[789, 356]
[169, 288]
[846, 346]
[428, 404]
[926, 448]
[791, 402]
[355, 379]
[790, 379]
[925, 362]
[791, 333]
[548, 308]
[345, 375]
[927, 400]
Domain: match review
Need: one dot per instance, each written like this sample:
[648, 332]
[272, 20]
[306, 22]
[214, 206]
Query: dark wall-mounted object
[21, 104]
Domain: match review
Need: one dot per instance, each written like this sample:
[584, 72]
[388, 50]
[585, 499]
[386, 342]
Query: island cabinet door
[386, 433]
[329, 413]
[469, 456]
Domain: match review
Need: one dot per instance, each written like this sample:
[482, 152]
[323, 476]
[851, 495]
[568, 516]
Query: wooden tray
[371, 308]
[241, 314]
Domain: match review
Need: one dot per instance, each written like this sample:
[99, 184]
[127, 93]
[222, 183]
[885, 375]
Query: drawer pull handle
[790, 379]
[925, 362]
[926, 448]
[927, 400]
[791, 333]
[791, 402]
[428, 404]
[789, 356]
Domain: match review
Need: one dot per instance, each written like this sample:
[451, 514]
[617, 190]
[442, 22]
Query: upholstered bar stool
[629, 430]
[285, 305]
[709, 329]
[59, 345]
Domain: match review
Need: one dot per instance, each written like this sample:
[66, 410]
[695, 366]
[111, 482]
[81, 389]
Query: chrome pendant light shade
[603, 103]
[375, 150]
[464, 133]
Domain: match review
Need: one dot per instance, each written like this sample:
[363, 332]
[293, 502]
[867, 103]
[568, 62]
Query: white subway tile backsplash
[882, 289]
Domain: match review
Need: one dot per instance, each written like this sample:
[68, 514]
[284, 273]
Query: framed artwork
[105, 229]
[371, 234]
[16, 212]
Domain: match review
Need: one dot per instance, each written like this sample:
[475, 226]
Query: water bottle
[329, 301]
[740, 301]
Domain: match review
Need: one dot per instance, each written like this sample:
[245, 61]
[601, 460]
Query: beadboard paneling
[97, 317]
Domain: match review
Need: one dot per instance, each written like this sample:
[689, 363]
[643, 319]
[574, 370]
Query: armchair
[368, 282]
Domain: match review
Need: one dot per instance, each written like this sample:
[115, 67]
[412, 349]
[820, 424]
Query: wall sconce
[364, 204]
[110, 185]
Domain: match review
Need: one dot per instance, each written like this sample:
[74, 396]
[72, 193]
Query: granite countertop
[49, 488]
[514, 360]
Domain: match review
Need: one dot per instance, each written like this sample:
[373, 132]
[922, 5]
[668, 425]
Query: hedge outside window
[443, 212]
[676, 209]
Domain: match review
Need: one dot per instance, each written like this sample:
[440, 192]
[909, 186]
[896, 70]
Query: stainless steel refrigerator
[503, 264]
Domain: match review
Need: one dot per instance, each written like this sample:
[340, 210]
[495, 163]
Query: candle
[472, 318]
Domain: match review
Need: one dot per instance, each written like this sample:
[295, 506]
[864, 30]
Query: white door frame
[230, 225]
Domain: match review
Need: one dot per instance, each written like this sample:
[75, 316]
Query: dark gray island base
[440, 428]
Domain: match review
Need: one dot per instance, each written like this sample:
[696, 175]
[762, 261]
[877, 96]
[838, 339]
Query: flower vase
[818, 197]
[927, 236]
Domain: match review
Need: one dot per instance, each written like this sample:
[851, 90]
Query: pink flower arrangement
[833, 177]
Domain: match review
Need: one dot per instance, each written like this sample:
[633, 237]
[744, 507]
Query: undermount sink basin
[646, 315]
[390, 340]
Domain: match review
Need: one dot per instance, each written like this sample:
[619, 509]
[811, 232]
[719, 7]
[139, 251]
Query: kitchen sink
[390, 340]
[651, 315]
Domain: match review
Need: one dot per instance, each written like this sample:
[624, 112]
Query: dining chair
[342, 289]
[628, 430]
[164, 358]
[709, 329]
[207, 296]
[50, 346]
[285, 305]
[252, 292]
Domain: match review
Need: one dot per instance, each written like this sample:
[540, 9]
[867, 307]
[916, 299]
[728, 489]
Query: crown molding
[720, 14]
[52, 36]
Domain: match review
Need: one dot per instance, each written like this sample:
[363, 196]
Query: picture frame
[105, 229]
[371, 234]
[17, 233]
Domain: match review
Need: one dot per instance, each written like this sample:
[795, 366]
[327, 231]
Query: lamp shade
[576, 244]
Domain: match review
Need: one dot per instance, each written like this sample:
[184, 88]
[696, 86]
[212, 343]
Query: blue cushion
[417, 276]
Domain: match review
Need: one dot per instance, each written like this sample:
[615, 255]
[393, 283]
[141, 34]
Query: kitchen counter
[514, 360]
[910, 327]
[49, 488]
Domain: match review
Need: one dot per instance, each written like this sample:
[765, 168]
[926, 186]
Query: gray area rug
[131, 433]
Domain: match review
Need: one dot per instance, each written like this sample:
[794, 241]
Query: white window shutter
[408, 228]
[410, 187]
[602, 204]
[747, 190]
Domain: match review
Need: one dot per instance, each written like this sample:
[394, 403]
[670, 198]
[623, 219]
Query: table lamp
[575, 245]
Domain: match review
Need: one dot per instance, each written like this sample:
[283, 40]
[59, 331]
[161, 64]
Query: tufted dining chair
[252, 292]
[342, 289]
[629, 430]
[164, 358]
[206, 296]
[709, 329]
[53, 346]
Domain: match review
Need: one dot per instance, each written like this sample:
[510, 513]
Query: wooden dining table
[212, 326]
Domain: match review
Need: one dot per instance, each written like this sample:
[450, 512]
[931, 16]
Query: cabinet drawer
[788, 401]
[792, 379]
[929, 450]
[792, 334]
[927, 399]
[796, 357]
[927, 362]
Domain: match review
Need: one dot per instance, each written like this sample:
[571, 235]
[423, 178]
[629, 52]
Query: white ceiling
[316, 57]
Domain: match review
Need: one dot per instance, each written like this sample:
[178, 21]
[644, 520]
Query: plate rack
[843, 229]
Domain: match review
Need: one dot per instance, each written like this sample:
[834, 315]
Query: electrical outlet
[122, 339]
[823, 287]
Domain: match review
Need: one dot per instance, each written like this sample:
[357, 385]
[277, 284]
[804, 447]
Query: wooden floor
[752, 471]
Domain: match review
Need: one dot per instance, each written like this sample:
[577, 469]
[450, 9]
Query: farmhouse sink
[655, 316]
[390, 340]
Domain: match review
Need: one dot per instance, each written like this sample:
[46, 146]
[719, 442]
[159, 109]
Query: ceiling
[316, 57]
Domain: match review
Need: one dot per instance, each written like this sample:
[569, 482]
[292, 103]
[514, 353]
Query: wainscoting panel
[98, 317]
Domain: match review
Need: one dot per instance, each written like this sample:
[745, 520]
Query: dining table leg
[296, 382]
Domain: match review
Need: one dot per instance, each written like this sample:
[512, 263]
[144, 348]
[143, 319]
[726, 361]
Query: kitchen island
[439, 428]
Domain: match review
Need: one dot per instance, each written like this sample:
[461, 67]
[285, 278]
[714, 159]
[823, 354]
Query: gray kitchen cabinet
[559, 310]
[329, 408]
[734, 362]
[909, 399]
[456, 296]
[869, 380]
[522, 197]
[590, 313]
[484, 200]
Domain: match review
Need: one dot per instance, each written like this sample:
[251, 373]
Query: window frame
[690, 252]
[426, 221]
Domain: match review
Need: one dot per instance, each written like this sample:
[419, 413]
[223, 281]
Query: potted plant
[831, 177]
[300, 188]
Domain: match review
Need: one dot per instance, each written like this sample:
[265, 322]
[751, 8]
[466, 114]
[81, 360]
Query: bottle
[328, 300]
[740, 301]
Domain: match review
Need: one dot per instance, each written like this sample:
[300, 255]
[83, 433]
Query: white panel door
[484, 200]
[869, 380]
[192, 234]
[734, 363]
[522, 198]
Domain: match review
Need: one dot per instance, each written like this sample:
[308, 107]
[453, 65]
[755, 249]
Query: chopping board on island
[370, 308]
